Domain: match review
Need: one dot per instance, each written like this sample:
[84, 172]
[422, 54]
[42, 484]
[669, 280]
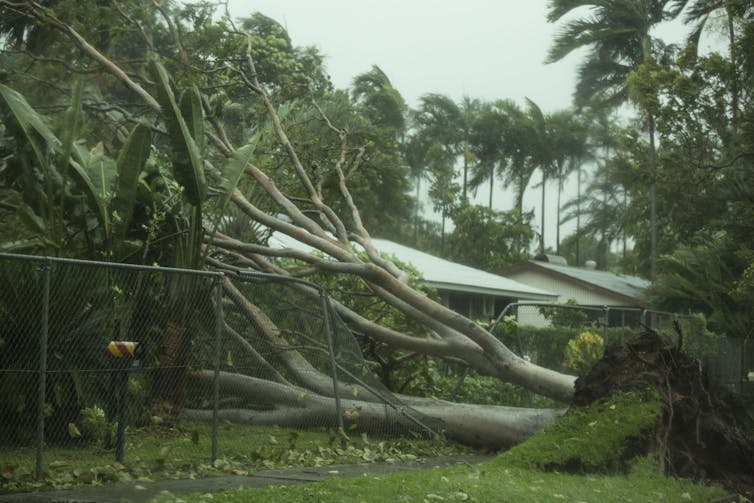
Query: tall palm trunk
[416, 209]
[492, 182]
[652, 199]
[557, 223]
[520, 207]
[542, 225]
[465, 168]
[734, 89]
[578, 216]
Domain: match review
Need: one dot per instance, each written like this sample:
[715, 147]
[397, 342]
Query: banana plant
[66, 187]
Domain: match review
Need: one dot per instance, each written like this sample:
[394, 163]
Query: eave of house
[553, 272]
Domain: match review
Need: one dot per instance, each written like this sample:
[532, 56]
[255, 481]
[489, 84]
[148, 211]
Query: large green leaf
[93, 174]
[188, 168]
[71, 121]
[26, 245]
[131, 160]
[233, 169]
[193, 113]
[32, 125]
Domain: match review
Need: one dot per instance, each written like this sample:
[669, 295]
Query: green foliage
[187, 158]
[584, 351]
[565, 317]
[602, 437]
[701, 278]
[94, 424]
[482, 390]
[488, 239]
[130, 163]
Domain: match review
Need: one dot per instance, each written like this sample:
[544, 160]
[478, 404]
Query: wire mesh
[57, 371]
[289, 360]
[570, 338]
[251, 348]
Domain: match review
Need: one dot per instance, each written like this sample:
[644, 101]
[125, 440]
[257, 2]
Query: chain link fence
[89, 349]
[90, 353]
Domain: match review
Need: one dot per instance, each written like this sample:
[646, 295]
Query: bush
[583, 351]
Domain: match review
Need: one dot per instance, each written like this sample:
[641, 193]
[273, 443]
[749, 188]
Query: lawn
[160, 452]
[597, 442]
[485, 482]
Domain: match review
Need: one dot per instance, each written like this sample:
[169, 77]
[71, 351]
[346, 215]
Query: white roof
[440, 273]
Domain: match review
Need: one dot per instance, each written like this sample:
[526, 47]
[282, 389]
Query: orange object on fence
[122, 349]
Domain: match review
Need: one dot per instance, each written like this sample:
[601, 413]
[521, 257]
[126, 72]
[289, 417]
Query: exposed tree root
[705, 432]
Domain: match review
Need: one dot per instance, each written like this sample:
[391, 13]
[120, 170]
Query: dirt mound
[705, 432]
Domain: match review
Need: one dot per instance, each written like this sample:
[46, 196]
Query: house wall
[531, 316]
[565, 290]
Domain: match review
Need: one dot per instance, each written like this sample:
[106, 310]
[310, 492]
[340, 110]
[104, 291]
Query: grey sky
[486, 49]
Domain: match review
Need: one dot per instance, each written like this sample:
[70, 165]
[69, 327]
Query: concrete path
[139, 492]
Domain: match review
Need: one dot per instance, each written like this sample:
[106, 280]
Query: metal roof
[625, 285]
[440, 273]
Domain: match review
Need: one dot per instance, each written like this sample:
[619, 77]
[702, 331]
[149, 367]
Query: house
[471, 292]
[585, 285]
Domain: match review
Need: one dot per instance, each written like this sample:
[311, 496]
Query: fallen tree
[491, 427]
[204, 158]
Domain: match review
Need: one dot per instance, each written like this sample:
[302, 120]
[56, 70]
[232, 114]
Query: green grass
[601, 437]
[183, 452]
[487, 482]
[601, 446]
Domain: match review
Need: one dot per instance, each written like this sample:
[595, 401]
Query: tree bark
[488, 426]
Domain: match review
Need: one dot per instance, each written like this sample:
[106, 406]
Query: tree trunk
[542, 225]
[578, 217]
[488, 426]
[492, 182]
[652, 199]
[416, 209]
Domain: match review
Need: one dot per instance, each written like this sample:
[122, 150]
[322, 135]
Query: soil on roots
[706, 433]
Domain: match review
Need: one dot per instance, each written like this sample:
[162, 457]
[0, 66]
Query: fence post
[126, 359]
[331, 350]
[41, 396]
[606, 310]
[219, 322]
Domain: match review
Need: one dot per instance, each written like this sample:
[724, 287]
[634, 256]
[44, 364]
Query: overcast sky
[486, 49]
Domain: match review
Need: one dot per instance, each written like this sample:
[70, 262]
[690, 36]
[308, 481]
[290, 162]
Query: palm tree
[617, 32]
[570, 148]
[488, 135]
[415, 149]
[518, 146]
[698, 12]
[375, 95]
[450, 124]
[541, 155]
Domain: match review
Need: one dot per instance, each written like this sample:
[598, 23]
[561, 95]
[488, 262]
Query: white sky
[486, 49]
